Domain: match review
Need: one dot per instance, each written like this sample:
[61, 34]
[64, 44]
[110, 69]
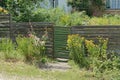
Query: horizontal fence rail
[4, 18]
[4, 25]
[93, 32]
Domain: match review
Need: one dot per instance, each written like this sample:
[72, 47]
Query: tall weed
[30, 49]
[7, 50]
[91, 55]
[76, 47]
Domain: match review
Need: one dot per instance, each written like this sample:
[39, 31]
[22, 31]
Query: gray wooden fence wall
[92, 32]
[8, 29]
[5, 25]
[57, 36]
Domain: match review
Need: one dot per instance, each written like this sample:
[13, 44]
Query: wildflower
[3, 10]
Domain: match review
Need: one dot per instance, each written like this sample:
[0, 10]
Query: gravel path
[61, 66]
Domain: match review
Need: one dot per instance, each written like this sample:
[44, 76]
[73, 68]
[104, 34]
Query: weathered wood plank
[92, 32]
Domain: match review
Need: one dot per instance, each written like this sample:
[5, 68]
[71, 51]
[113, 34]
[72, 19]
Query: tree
[90, 6]
[21, 9]
[3, 3]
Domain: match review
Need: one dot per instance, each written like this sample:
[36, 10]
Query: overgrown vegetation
[3, 11]
[30, 48]
[105, 20]
[86, 53]
[92, 56]
[20, 8]
[57, 16]
[27, 49]
[90, 6]
[60, 18]
[22, 71]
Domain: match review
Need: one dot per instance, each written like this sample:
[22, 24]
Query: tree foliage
[19, 8]
[88, 5]
[3, 3]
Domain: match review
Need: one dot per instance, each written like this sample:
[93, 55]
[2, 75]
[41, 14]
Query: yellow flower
[3, 10]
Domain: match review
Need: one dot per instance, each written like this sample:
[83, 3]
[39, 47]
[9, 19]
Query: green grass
[26, 71]
[18, 68]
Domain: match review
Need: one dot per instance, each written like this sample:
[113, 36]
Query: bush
[90, 55]
[7, 50]
[57, 16]
[30, 49]
[76, 47]
[27, 49]
[105, 20]
[97, 50]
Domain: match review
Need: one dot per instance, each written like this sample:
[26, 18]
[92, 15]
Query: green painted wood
[60, 42]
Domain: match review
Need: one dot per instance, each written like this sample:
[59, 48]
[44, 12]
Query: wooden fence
[5, 27]
[57, 36]
[92, 32]
[8, 29]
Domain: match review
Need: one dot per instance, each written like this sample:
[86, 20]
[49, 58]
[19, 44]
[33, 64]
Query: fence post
[10, 24]
[53, 42]
[71, 29]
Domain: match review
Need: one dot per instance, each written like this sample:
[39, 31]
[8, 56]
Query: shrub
[7, 50]
[90, 6]
[97, 52]
[57, 16]
[27, 49]
[90, 55]
[105, 20]
[6, 45]
[25, 46]
[79, 18]
[76, 47]
[30, 49]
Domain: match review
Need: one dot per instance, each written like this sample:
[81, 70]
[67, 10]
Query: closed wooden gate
[60, 41]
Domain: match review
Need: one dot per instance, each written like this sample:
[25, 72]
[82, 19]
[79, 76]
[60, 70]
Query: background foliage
[87, 5]
[20, 8]
[25, 49]
[91, 55]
